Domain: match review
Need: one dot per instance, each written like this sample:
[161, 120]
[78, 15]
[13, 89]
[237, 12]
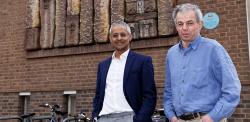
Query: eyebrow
[120, 33]
[187, 21]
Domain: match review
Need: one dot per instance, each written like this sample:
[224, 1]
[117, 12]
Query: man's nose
[119, 37]
[184, 26]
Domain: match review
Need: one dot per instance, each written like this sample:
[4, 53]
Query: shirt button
[185, 54]
[183, 109]
[182, 80]
[183, 67]
[182, 95]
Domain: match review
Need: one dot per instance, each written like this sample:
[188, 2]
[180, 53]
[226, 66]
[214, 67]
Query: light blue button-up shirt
[201, 78]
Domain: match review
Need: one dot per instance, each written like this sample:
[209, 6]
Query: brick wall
[11, 105]
[47, 78]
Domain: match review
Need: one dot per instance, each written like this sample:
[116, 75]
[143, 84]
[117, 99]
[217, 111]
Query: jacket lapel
[128, 64]
[105, 72]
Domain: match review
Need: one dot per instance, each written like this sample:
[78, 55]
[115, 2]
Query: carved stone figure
[72, 30]
[73, 7]
[131, 7]
[87, 22]
[32, 39]
[32, 14]
[102, 21]
[46, 4]
[143, 16]
[134, 30]
[47, 14]
[117, 10]
[148, 28]
[166, 24]
[150, 5]
[140, 6]
[60, 22]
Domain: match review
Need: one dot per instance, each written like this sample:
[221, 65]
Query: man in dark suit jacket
[125, 88]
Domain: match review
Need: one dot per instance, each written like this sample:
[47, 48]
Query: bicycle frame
[40, 118]
[52, 109]
[11, 117]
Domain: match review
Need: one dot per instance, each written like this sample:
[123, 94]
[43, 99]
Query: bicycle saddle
[61, 112]
[73, 115]
[27, 115]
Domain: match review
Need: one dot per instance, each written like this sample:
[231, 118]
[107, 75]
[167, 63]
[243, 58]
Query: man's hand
[206, 118]
[174, 119]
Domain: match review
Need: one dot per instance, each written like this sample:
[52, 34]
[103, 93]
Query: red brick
[221, 4]
[232, 24]
[232, 7]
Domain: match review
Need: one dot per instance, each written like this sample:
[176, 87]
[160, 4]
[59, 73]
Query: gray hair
[184, 8]
[120, 23]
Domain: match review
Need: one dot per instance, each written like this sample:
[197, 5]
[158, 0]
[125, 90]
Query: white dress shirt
[114, 99]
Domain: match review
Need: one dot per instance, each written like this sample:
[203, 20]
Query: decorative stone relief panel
[148, 28]
[60, 22]
[87, 22]
[73, 7]
[134, 27]
[32, 39]
[150, 5]
[102, 21]
[166, 24]
[47, 14]
[72, 30]
[140, 6]
[131, 7]
[66, 23]
[117, 10]
[32, 14]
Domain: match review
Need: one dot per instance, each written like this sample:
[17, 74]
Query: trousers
[117, 117]
[198, 119]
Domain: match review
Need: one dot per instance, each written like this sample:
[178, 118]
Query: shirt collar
[124, 55]
[193, 44]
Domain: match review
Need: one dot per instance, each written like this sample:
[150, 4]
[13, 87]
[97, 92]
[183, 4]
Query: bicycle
[160, 118]
[52, 110]
[77, 118]
[27, 117]
[12, 117]
[22, 118]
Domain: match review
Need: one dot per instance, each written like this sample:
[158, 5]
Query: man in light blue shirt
[201, 83]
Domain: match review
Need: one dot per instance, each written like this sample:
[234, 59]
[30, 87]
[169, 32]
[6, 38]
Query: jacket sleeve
[167, 95]
[96, 99]
[226, 74]
[148, 93]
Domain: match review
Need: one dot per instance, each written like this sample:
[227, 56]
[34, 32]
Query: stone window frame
[26, 96]
[71, 98]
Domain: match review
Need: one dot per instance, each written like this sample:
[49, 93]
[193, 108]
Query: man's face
[187, 26]
[120, 38]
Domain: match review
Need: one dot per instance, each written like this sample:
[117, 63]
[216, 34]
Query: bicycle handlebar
[43, 106]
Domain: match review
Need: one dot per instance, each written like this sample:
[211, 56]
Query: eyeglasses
[116, 35]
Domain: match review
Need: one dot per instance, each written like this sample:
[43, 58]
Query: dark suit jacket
[138, 86]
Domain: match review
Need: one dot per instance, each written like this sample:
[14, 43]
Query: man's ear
[110, 38]
[130, 37]
[201, 24]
